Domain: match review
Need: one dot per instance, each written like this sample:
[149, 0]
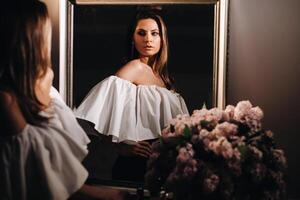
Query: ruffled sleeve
[43, 162]
[65, 119]
[128, 112]
[58, 159]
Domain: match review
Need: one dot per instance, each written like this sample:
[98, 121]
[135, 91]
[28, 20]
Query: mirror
[100, 44]
[95, 45]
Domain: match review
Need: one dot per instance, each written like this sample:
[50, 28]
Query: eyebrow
[141, 29]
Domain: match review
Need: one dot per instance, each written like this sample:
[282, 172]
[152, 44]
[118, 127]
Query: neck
[147, 60]
[144, 59]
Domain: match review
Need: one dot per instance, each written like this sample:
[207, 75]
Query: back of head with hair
[25, 52]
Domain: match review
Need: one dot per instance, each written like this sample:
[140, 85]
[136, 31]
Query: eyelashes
[144, 33]
[155, 33]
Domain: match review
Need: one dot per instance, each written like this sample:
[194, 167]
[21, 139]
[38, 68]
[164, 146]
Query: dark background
[100, 42]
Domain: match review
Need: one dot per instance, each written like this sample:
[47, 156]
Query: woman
[41, 144]
[134, 105]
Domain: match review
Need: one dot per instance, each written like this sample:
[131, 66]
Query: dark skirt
[130, 168]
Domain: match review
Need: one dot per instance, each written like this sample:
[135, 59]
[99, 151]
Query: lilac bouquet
[217, 154]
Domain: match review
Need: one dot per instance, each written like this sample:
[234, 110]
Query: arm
[141, 148]
[11, 117]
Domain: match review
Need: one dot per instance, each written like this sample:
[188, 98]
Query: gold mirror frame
[220, 42]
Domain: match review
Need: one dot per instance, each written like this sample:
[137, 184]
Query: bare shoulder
[6, 99]
[8, 102]
[130, 71]
[10, 113]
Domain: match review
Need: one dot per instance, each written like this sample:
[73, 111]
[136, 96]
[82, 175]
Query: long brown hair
[159, 64]
[24, 53]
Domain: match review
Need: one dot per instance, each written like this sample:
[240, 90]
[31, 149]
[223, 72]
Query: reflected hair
[159, 62]
[24, 53]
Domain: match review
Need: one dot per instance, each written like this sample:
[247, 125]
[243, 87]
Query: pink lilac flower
[167, 133]
[216, 113]
[180, 122]
[245, 113]
[222, 147]
[190, 169]
[204, 134]
[200, 114]
[253, 118]
[211, 183]
[269, 134]
[278, 154]
[256, 113]
[256, 152]
[237, 140]
[190, 150]
[229, 110]
[212, 115]
[183, 155]
[185, 170]
[241, 110]
[217, 132]
[226, 129]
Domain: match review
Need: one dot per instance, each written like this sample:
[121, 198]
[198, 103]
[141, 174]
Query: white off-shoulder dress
[130, 112]
[44, 162]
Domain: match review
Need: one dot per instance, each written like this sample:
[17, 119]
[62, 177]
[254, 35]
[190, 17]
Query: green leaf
[204, 123]
[244, 151]
[161, 141]
[186, 131]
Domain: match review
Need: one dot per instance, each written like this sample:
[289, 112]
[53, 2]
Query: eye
[155, 33]
[141, 33]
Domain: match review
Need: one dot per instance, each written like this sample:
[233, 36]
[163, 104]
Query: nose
[148, 37]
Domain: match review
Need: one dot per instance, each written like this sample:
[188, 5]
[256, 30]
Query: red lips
[148, 47]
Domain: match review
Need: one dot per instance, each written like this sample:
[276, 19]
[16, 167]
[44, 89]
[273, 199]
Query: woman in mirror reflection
[41, 143]
[135, 104]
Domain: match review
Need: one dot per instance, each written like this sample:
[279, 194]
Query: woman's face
[147, 38]
[43, 86]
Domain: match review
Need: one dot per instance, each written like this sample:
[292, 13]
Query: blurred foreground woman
[41, 144]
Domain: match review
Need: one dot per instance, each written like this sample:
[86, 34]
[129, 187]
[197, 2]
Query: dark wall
[264, 66]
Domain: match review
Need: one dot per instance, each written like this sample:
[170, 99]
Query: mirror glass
[100, 44]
